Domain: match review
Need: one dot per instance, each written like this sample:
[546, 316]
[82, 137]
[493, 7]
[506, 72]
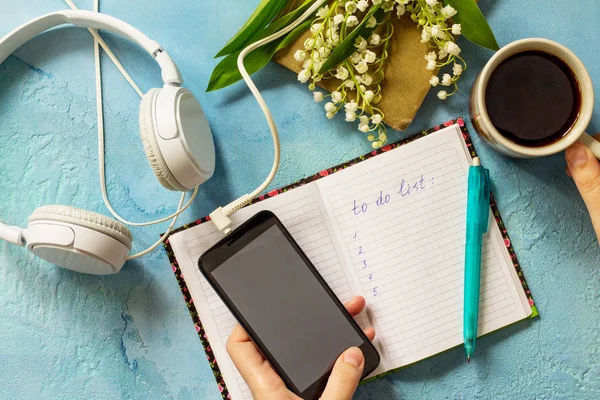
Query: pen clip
[485, 193]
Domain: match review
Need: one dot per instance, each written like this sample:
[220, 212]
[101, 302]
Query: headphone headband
[88, 19]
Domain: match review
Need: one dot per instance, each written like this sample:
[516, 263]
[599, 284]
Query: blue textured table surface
[66, 335]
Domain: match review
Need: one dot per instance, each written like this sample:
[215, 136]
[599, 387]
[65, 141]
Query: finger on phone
[355, 305]
[239, 334]
[369, 332]
[345, 375]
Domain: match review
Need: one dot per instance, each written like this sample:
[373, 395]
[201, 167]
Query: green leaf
[227, 73]
[473, 23]
[264, 13]
[346, 47]
[281, 22]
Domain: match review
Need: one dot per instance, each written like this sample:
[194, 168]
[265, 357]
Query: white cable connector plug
[12, 234]
[220, 216]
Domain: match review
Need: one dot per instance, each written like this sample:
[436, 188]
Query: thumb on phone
[585, 170]
[345, 375]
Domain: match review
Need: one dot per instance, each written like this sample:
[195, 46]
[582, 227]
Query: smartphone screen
[278, 296]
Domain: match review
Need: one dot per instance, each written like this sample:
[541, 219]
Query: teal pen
[478, 211]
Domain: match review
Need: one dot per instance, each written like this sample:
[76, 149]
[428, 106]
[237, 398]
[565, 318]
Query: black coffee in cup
[533, 98]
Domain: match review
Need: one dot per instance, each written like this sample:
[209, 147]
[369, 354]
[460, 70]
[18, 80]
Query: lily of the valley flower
[448, 11]
[342, 73]
[361, 74]
[446, 80]
[350, 7]
[299, 55]
[351, 21]
[304, 76]
[362, 5]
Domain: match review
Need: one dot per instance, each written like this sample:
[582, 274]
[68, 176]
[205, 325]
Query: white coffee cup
[483, 124]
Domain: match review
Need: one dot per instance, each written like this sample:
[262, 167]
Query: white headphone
[176, 137]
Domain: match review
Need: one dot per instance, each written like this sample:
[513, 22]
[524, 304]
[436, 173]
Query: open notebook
[390, 228]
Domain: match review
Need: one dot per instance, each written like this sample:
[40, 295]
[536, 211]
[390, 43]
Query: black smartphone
[278, 296]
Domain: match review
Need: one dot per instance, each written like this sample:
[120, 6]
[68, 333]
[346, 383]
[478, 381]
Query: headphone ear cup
[78, 240]
[153, 153]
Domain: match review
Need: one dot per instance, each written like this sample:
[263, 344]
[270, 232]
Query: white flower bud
[375, 144]
[351, 21]
[377, 118]
[375, 39]
[430, 65]
[309, 44]
[312, 86]
[349, 84]
[457, 70]
[315, 28]
[437, 31]
[330, 107]
[350, 7]
[318, 97]
[352, 106]
[370, 56]
[451, 48]
[355, 57]
[336, 96]
[318, 42]
[363, 128]
[434, 81]
[442, 54]
[350, 116]
[431, 2]
[304, 75]
[338, 19]
[371, 22]
[364, 120]
[329, 115]
[376, 2]
[446, 80]
[322, 13]
[442, 95]
[360, 43]
[341, 73]
[400, 10]
[370, 138]
[361, 87]
[367, 79]
[456, 29]
[388, 6]
[368, 96]
[299, 55]
[425, 36]
[448, 11]
[362, 67]
[324, 52]
[362, 5]
[431, 56]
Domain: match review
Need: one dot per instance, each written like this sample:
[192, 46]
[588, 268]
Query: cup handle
[591, 143]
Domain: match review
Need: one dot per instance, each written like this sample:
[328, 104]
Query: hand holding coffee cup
[533, 98]
[584, 168]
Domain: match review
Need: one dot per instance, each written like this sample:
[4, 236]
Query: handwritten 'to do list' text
[405, 189]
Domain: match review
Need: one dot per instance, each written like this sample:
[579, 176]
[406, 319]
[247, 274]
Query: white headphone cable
[101, 161]
[99, 41]
[221, 215]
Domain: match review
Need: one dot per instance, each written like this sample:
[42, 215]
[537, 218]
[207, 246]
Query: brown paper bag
[406, 80]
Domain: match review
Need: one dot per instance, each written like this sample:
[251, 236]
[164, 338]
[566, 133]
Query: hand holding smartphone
[284, 305]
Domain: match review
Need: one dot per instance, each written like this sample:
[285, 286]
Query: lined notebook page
[401, 219]
[302, 213]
